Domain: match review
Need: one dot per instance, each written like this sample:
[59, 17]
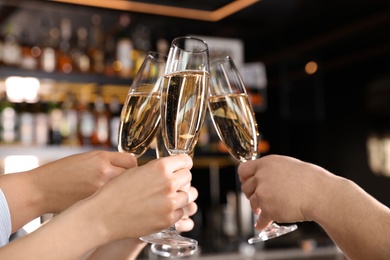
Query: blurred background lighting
[19, 163]
[22, 89]
[311, 67]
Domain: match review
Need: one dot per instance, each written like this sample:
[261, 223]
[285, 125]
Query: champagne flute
[183, 108]
[234, 120]
[140, 115]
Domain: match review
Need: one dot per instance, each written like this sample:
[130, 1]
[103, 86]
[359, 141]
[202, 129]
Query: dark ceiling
[289, 32]
[193, 4]
[337, 34]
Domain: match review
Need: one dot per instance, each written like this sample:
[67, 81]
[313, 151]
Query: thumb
[262, 222]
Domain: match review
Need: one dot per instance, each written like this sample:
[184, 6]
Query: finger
[247, 169]
[182, 199]
[185, 224]
[249, 187]
[186, 187]
[177, 162]
[255, 204]
[123, 160]
[192, 194]
[182, 179]
[190, 209]
[262, 222]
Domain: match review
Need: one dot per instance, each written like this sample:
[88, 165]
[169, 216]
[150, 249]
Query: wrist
[24, 198]
[92, 216]
[40, 195]
[320, 201]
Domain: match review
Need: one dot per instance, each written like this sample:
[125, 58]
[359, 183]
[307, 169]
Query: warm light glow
[378, 149]
[117, 65]
[166, 10]
[19, 163]
[21, 89]
[311, 67]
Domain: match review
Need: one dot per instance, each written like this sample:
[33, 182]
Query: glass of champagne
[140, 114]
[235, 122]
[183, 109]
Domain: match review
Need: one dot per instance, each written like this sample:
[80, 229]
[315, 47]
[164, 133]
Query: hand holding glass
[234, 120]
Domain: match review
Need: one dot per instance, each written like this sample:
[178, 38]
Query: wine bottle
[124, 47]
[115, 109]
[64, 59]
[8, 119]
[96, 46]
[69, 120]
[55, 118]
[80, 58]
[49, 55]
[100, 135]
[30, 53]
[86, 122]
[12, 52]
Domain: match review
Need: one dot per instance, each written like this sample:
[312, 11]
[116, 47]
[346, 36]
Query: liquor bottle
[124, 47]
[49, 55]
[109, 56]
[96, 46]
[100, 135]
[69, 120]
[30, 53]
[64, 59]
[142, 44]
[115, 109]
[86, 121]
[8, 119]
[55, 117]
[12, 52]
[41, 122]
[26, 124]
[80, 58]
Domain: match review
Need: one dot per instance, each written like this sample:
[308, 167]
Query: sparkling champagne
[184, 103]
[234, 120]
[139, 122]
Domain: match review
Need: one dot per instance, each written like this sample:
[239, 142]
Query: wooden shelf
[73, 77]
[46, 154]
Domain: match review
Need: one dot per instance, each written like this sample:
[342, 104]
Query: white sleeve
[5, 220]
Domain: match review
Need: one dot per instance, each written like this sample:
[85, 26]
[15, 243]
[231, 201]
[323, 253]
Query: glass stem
[172, 230]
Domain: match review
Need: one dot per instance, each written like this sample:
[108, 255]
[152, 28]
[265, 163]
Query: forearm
[24, 199]
[126, 249]
[354, 220]
[67, 236]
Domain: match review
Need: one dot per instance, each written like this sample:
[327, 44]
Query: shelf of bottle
[50, 153]
[74, 77]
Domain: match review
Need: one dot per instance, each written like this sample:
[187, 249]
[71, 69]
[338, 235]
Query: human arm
[285, 189]
[129, 249]
[134, 204]
[53, 187]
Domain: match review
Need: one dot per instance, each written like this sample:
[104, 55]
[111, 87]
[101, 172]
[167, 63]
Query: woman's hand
[53, 187]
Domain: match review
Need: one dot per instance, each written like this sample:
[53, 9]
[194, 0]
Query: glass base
[170, 237]
[272, 231]
[173, 251]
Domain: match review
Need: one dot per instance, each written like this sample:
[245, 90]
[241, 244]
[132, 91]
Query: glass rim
[221, 60]
[191, 38]
[156, 55]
